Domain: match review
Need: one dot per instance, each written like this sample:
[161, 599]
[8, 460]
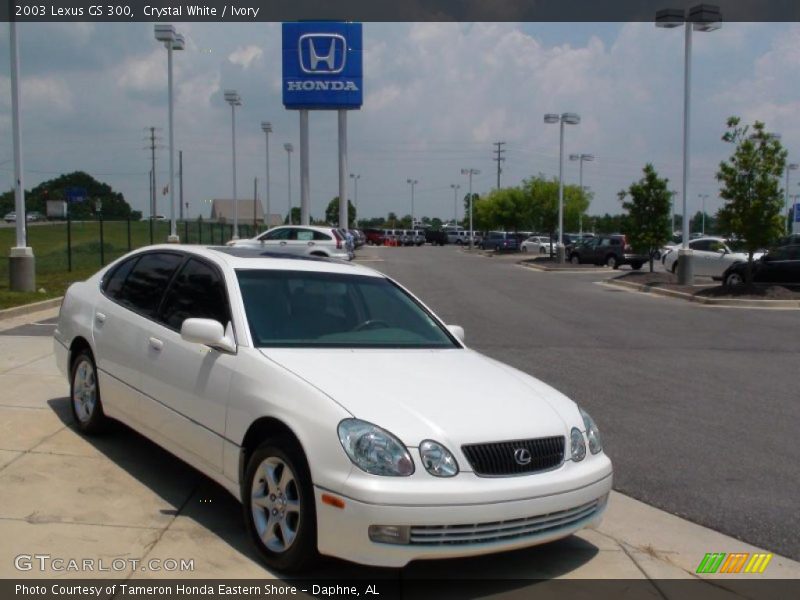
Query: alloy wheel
[84, 390]
[275, 503]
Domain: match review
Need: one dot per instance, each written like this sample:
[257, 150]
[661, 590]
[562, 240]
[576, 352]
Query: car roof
[255, 258]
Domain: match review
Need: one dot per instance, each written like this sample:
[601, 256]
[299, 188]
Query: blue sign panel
[797, 213]
[322, 65]
[75, 194]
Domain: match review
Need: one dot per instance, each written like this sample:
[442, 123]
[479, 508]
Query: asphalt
[698, 406]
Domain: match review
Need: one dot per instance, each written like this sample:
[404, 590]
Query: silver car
[301, 240]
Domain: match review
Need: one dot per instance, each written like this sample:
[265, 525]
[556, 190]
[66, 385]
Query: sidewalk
[120, 496]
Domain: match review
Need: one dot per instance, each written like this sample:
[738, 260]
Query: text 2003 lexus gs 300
[277, 377]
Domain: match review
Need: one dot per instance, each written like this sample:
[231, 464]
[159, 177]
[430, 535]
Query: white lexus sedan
[244, 365]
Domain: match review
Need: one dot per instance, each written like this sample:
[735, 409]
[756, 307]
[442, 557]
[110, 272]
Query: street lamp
[355, 177]
[582, 158]
[789, 167]
[232, 97]
[470, 172]
[703, 17]
[266, 127]
[172, 41]
[562, 119]
[455, 187]
[289, 149]
[703, 216]
[412, 182]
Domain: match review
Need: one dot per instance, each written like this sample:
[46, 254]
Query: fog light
[389, 534]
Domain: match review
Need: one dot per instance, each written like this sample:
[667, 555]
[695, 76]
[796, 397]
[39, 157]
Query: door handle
[155, 344]
[310, 243]
[283, 243]
[100, 317]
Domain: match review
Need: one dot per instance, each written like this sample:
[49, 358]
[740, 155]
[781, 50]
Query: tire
[459, 243]
[575, 259]
[84, 393]
[675, 268]
[525, 249]
[636, 266]
[542, 250]
[733, 280]
[286, 542]
[611, 261]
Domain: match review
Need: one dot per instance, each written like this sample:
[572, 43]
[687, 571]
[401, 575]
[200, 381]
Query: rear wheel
[85, 393]
[636, 266]
[525, 249]
[675, 267]
[279, 506]
[575, 259]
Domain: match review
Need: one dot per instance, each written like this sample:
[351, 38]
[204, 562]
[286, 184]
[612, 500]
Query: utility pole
[499, 151]
[255, 201]
[153, 194]
[180, 179]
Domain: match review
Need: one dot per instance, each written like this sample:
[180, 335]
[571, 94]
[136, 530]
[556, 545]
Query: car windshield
[330, 310]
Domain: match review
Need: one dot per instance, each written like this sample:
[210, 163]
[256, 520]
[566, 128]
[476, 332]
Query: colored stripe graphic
[720, 562]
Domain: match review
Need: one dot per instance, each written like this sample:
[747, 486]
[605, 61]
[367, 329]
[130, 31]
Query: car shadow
[207, 503]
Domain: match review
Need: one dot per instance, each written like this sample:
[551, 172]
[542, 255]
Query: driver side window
[277, 234]
[198, 291]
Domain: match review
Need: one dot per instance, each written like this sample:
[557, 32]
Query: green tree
[296, 216]
[751, 188]
[542, 208]
[332, 212]
[649, 212]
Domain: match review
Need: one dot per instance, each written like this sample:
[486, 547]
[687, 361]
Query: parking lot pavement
[120, 496]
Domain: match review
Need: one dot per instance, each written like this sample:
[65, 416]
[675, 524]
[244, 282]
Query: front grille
[438, 535]
[496, 459]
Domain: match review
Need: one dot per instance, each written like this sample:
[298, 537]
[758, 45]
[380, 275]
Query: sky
[436, 97]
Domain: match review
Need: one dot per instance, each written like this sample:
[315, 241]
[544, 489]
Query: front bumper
[458, 527]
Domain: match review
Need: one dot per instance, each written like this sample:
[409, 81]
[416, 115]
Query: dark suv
[609, 250]
[500, 241]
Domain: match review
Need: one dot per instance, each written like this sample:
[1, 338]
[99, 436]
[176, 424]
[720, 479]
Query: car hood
[454, 396]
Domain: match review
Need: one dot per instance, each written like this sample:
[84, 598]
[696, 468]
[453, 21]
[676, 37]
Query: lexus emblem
[522, 456]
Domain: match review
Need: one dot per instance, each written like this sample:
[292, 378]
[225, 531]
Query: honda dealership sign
[322, 65]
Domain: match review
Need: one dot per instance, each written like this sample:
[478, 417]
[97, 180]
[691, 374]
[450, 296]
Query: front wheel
[636, 266]
[733, 279]
[525, 249]
[85, 393]
[611, 261]
[279, 507]
[575, 259]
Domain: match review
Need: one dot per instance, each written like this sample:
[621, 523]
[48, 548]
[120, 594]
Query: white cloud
[245, 55]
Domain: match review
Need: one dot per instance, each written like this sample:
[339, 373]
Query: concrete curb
[16, 311]
[745, 303]
[528, 265]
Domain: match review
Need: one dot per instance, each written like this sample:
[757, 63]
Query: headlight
[592, 433]
[374, 450]
[437, 459]
[577, 445]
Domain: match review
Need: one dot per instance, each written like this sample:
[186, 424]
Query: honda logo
[322, 53]
[522, 456]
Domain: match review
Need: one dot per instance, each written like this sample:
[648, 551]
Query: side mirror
[208, 332]
[458, 331]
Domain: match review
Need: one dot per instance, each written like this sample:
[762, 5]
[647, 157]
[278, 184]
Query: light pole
[412, 182]
[266, 127]
[562, 119]
[703, 216]
[470, 172]
[289, 149]
[233, 98]
[703, 17]
[355, 177]
[582, 158]
[21, 268]
[172, 41]
[790, 167]
[455, 187]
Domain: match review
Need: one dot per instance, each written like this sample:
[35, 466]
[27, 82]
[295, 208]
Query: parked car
[303, 240]
[458, 237]
[436, 237]
[244, 367]
[358, 238]
[398, 235]
[418, 237]
[711, 256]
[538, 244]
[34, 216]
[780, 265]
[375, 237]
[10, 217]
[610, 250]
[500, 241]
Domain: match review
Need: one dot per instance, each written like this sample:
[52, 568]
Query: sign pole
[343, 202]
[304, 179]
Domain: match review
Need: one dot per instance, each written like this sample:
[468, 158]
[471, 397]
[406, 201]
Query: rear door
[704, 259]
[186, 384]
[276, 240]
[122, 317]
